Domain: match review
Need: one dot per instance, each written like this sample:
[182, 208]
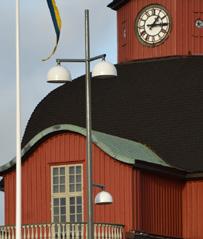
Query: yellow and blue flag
[56, 21]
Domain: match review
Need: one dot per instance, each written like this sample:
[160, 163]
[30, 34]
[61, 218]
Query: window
[67, 192]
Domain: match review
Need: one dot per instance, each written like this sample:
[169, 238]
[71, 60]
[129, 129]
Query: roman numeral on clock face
[153, 11]
[163, 30]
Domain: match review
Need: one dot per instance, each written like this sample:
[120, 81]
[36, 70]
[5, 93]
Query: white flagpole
[18, 126]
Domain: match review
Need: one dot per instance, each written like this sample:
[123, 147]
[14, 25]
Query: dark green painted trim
[120, 149]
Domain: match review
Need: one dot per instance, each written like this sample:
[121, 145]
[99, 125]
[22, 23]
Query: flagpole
[18, 126]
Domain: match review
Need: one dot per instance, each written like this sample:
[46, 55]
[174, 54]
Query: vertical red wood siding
[184, 39]
[9, 194]
[67, 148]
[142, 201]
[137, 200]
[160, 205]
[193, 210]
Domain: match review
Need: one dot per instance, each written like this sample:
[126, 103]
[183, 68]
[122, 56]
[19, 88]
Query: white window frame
[67, 194]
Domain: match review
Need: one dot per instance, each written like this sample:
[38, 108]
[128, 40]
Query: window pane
[63, 201]
[72, 209]
[72, 170]
[79, 209]
[71, 178]
[78, 178]
[63, 219]
[72, 218]
[78, 169]
[56, 211]
[63, 210]
[55, 180]
[55, 189]
[56, 202]
[71, 188]
[55, 171]
[72, 200]
[62, 188]
[79, 217]
[62, 171]
[62, 180]
[56, 219]
[78, 187]
[79, 200]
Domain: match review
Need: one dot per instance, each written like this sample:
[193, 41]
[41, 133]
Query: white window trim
[67, 194]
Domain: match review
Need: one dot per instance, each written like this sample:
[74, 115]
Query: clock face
[152, 25]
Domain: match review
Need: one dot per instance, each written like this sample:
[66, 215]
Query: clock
[153, 25]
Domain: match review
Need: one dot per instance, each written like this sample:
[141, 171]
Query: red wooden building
[147, 138]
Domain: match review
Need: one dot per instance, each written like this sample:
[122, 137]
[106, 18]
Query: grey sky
[37, 41]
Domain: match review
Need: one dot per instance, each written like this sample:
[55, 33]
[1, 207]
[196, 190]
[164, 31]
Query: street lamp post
[102, 70]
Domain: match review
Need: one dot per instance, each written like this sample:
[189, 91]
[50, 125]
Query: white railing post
[102, 229]
[117, 232]
[82, 231]
[98, 231]
[49, 231]
[13, 232]
[63, 231]
[54, 231]
[1, 232]
[40, 231]
[73, 230]
[121, 233]
[76, 231]
[9, 232]
[67, 231]
[58, 231]
[28, 232]
[23, 232]
[32, 232]
[106, 231]
[36, 232]
[5, 232]
[45, 231]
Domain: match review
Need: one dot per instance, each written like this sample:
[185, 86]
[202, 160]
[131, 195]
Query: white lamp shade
[104, 70]
[58, 74]
[103, 197]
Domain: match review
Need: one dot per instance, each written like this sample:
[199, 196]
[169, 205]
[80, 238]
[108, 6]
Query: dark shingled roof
[116, 4]
[157, 103]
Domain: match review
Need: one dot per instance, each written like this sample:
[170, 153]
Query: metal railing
[64, 231]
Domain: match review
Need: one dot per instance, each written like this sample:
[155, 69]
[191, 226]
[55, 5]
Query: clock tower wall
[184, 37]
[189, 34]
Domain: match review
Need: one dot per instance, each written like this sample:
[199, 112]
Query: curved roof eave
[116, 4]
[124, 150]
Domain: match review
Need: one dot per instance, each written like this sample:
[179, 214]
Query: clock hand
[161, 24]
[155, 21]
[158, 24]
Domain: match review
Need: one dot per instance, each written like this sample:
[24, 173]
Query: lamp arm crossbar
[103, 56]
[99, 186]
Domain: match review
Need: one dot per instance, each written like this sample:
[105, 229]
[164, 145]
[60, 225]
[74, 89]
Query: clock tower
[150, 29]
